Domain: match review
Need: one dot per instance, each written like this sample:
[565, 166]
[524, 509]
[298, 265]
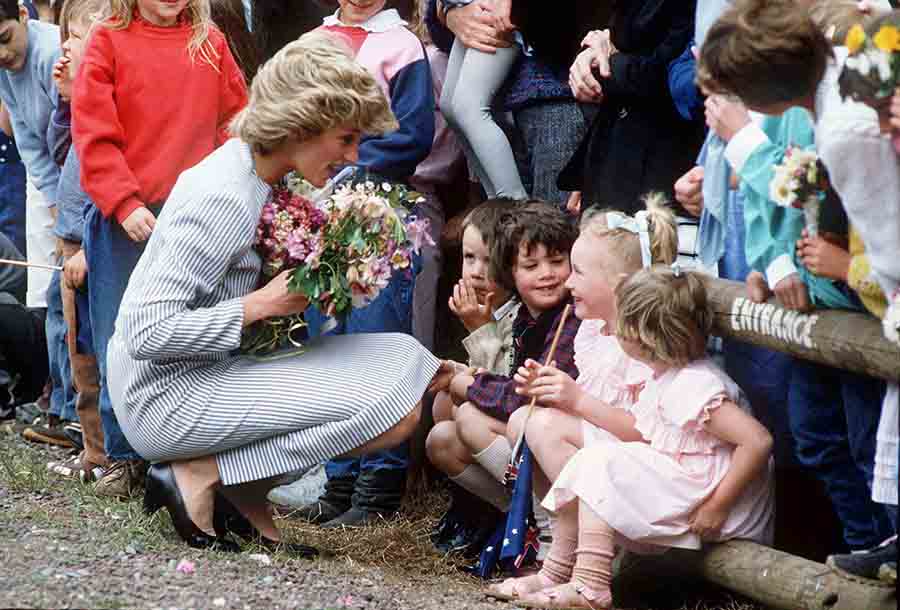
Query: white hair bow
[639, 225]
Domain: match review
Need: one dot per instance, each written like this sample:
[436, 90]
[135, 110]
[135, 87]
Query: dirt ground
[63, 547]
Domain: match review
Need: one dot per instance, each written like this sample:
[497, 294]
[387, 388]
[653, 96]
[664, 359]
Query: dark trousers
[833, 416]
[23, 348]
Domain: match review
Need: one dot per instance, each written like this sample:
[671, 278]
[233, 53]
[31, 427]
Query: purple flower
[417, 233]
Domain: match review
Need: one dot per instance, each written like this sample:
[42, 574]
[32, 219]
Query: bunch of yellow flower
[874, 61]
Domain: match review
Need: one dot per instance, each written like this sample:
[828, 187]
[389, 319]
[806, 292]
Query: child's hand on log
[551, 386]
[448, 369]
[707, 520]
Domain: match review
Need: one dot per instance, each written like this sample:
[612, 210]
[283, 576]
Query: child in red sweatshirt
[155, 93]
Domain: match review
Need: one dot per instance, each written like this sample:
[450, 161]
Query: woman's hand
[584, 84]
[895, 119]
[444, 375]
[62, 78]
[502, 12]
[823, 258]
[75, 270]
[725, 117]
[551, 386]
[464, 303]
[272, 300]
[707, 520]
[140, 224]
[474, 25]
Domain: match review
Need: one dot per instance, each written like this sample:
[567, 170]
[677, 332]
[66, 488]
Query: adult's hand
[475, 25]
[792, 293]
[584, 84]
[140, 224]
[689, 191]
[573, 203]
[273, 299]
[725, 117]
[502, 11]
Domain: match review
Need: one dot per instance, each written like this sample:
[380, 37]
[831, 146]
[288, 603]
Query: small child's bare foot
[570, 595]
[516, 588]
[757, 288]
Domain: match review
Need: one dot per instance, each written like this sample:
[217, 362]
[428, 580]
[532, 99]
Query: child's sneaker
[122, 479]
[866, 565]
[76, 467]
[73, 432]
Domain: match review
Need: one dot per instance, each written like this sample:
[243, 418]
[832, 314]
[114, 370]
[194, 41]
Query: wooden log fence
[841, 339]
[770, 577]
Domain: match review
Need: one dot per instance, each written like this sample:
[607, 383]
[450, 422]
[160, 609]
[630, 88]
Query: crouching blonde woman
[219, 426]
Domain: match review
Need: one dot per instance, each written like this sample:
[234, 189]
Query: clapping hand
[464, 303]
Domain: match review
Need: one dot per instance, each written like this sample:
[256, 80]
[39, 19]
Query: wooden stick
[7, 261]
[549, 359]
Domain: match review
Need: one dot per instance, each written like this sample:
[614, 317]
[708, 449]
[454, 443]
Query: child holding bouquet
[833, 415]
[690, 463]
[134, 135]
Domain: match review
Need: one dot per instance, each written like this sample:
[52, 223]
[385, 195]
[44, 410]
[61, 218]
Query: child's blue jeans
[12, 203]
[111, 257]
[62, 397]
[391, 311]
[834, 418]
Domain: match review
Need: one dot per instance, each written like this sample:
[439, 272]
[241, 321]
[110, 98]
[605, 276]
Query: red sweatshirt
[143, 112]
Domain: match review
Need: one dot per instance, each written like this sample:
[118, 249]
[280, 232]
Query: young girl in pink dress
[695, 465]
[610, 247]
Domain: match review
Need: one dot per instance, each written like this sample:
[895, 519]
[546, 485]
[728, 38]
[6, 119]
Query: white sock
[495, 458]
[480, 482]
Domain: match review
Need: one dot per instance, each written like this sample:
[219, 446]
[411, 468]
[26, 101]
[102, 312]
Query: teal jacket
[771, 230]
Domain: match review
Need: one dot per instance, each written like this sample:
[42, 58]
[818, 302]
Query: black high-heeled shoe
[228, 520]
[161, 489]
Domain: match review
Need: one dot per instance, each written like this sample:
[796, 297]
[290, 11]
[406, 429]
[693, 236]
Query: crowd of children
[589, 410]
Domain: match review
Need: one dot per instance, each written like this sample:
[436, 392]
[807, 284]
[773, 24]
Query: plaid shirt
[495, 394]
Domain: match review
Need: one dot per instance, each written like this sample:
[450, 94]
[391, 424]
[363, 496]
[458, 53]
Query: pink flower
[418, 233]
[297, 245]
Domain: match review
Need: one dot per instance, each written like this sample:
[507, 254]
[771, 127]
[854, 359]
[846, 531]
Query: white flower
[891, 321]
[882, 61]
[860, 63]
[386, 187]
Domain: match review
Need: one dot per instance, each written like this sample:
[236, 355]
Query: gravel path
[63, 547]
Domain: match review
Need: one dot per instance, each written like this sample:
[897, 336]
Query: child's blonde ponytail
[663, 228]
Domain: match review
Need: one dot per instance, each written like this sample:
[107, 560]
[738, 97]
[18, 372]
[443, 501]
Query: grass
[400, 547]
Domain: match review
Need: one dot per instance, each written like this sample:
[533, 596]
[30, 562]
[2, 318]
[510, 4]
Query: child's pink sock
[561, 558]
[595, 553]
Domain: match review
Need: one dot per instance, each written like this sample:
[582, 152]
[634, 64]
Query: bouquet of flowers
[342, 249]
[871, 72]
[891, 321]
[800, 182]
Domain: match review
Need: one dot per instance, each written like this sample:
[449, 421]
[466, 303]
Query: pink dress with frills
[607, 373]
[646, 491]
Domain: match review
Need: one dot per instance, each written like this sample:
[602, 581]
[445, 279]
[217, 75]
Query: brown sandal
[508, 590]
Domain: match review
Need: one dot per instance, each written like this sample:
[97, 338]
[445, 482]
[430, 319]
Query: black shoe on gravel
[865, 565]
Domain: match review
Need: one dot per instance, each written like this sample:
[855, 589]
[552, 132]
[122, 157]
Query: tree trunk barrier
[841, 339]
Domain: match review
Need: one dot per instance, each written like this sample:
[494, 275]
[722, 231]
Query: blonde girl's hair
[310, 86]
[625, 246]
[120, 14]
[79, 11]
[666, 313]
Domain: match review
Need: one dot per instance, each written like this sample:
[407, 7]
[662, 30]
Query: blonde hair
[665, 313]
[120, 14]
[310, 86]
[79, 11]
[625, 246]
